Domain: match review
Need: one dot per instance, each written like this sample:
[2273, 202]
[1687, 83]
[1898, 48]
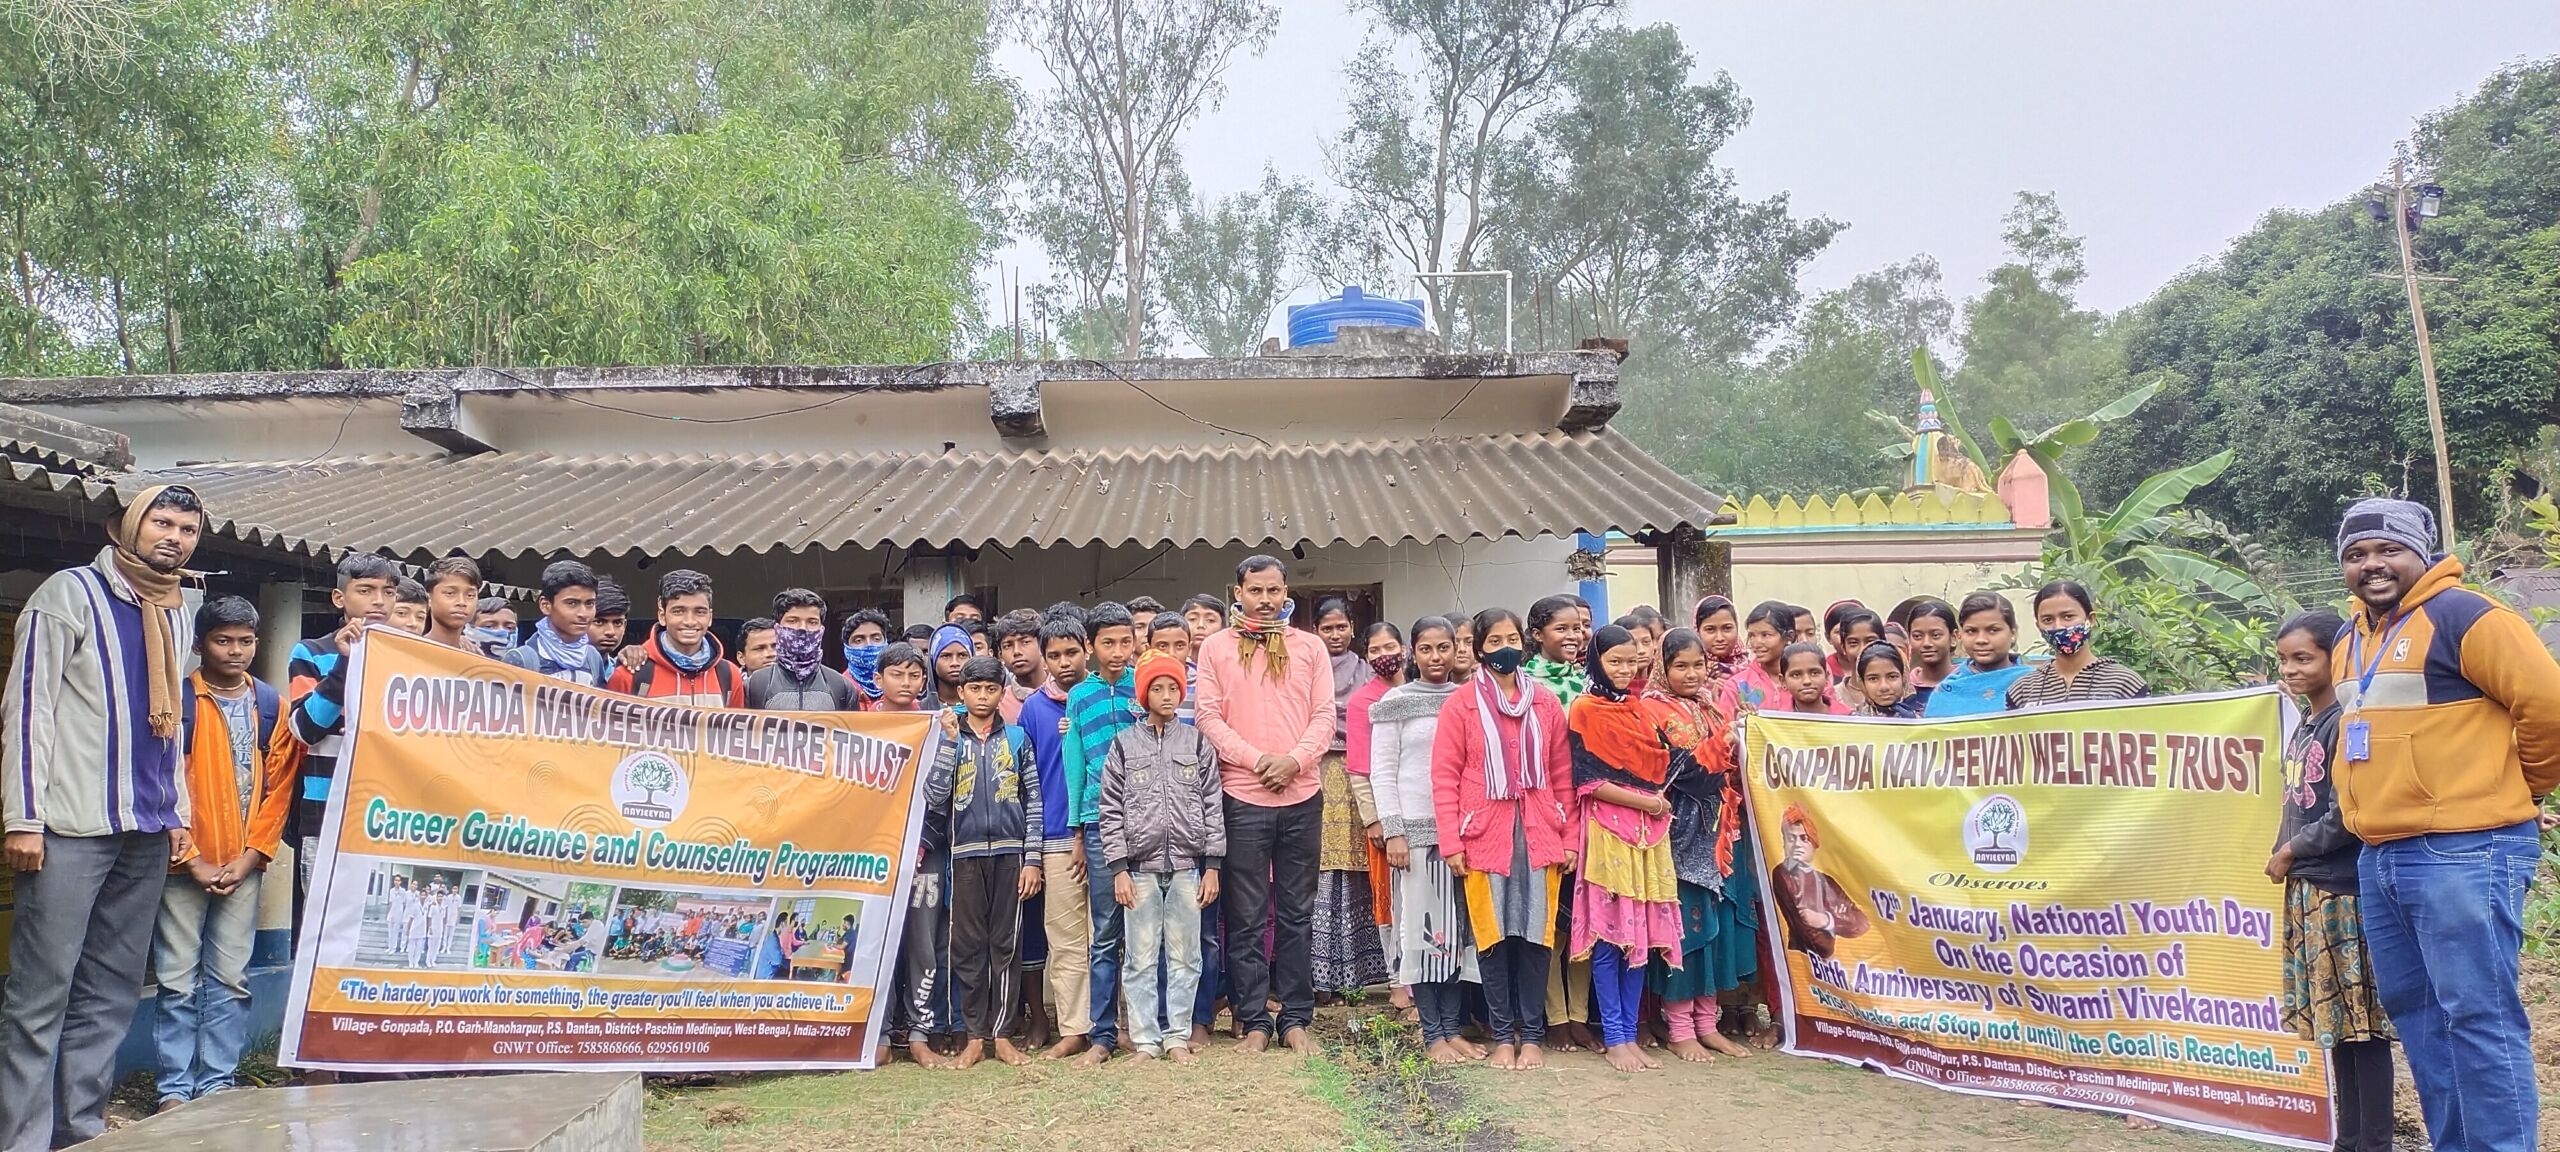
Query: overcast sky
[2165, 127]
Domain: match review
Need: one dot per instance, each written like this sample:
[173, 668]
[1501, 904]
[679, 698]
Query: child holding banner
[2329, 996]
[1626, 901]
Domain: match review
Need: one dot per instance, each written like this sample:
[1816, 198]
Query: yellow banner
[2067, 905]
[519, 872]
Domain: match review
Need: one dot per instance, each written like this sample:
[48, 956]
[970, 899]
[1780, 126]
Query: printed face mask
[1386, 666]
[797, 649]
[1504, 661]
[2067, 641]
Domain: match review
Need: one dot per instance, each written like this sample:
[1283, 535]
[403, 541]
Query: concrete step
[528, 1112]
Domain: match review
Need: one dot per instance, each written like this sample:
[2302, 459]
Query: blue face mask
[490, 637]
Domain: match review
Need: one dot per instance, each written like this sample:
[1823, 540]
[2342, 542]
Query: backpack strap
[727, 674]
[270, 709]
[640, 676]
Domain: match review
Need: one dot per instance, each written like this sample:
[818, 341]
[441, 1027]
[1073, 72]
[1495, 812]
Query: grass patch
[1417, 1104]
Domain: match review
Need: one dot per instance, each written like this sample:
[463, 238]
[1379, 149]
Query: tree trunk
[124, 332]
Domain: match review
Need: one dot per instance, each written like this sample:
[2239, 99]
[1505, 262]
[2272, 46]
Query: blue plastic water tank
[1315, 323]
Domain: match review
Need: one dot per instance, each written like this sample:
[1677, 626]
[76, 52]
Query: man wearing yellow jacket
[2450, 740]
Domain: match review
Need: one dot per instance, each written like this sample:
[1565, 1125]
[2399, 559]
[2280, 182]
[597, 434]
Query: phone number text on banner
[2067, 905]
[518, 872]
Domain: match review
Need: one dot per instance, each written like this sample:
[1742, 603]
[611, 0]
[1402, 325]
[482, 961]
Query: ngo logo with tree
[1995, 833]
[649, 788]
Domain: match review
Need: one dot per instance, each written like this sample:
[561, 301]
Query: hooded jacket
[2465, 714]
[718, 685]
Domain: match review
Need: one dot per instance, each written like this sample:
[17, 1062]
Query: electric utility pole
[2426, 351]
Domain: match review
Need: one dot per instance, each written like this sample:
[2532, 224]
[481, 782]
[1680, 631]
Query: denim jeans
[1104, 965]
[1164, 939]
[200, 956]
[2444, 929]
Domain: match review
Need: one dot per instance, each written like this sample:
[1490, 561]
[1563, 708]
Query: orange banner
[524, 873]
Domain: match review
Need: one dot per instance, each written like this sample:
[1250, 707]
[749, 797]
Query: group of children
[1505, 787]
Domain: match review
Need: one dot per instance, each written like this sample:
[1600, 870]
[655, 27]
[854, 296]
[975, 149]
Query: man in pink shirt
[1264, 699]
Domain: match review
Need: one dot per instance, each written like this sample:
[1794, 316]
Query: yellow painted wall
[1816, 586]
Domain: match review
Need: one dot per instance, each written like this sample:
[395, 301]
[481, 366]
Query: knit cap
[2402, 522]
[1155, 667]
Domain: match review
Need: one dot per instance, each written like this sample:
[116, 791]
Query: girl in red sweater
[1502, 793]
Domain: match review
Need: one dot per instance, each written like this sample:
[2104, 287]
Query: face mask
[1386, 666]
[797, 649]
[2067, 641]
[1504, 661]
[490, 637]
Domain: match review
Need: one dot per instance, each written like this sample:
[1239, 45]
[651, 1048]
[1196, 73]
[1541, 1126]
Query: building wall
[1878, 585]
[1082, 415]
[1418, 579]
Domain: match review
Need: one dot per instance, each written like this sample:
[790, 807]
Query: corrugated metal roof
[530, 504]
[97, 498]
[31, 437]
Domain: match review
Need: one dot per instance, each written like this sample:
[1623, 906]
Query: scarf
[1565, 679]
[559, 655]
[1616, 734]
[158, 594]
[1706, 793]
[689, 663]
[945, 637]
[1531, 772]
[1271, 637]
[862, 663]
[798, 651]
[1050, 689]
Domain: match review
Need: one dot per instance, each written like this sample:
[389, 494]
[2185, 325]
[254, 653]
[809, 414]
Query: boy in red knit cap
[1164, 831]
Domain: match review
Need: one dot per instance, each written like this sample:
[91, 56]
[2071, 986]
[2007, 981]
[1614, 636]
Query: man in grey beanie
[2450, 740]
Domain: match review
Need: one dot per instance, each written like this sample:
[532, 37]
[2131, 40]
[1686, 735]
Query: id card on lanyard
[2356, 739]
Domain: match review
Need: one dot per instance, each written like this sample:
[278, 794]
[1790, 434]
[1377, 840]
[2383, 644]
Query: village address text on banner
[2067, 905]
[524, 873]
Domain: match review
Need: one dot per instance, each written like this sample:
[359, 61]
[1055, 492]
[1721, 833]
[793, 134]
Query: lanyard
[2355, 656]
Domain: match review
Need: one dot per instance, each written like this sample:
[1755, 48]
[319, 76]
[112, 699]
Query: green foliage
[2295, 348]
[312, 183]
[1227, 265]
[2029, 350]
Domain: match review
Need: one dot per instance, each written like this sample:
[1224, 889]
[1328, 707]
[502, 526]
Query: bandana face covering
[862, 662]
[1504, 661]
[797, 650]
[2067, 641]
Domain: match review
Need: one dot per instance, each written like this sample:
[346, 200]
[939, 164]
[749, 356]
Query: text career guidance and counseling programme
[608, 882]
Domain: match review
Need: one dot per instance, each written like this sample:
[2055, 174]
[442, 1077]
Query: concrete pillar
[279, 629]
[1591, 552]
[930, 580]
[1688, 568]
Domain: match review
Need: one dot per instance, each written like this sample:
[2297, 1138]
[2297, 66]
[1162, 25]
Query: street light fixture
[2430, 200]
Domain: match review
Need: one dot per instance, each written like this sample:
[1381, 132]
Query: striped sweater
[316, 683]
[75, 742]
[1097, 710]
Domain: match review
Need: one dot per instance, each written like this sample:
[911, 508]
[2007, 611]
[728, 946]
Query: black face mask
[1504, 661]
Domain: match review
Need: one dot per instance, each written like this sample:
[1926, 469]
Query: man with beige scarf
[94, 803]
